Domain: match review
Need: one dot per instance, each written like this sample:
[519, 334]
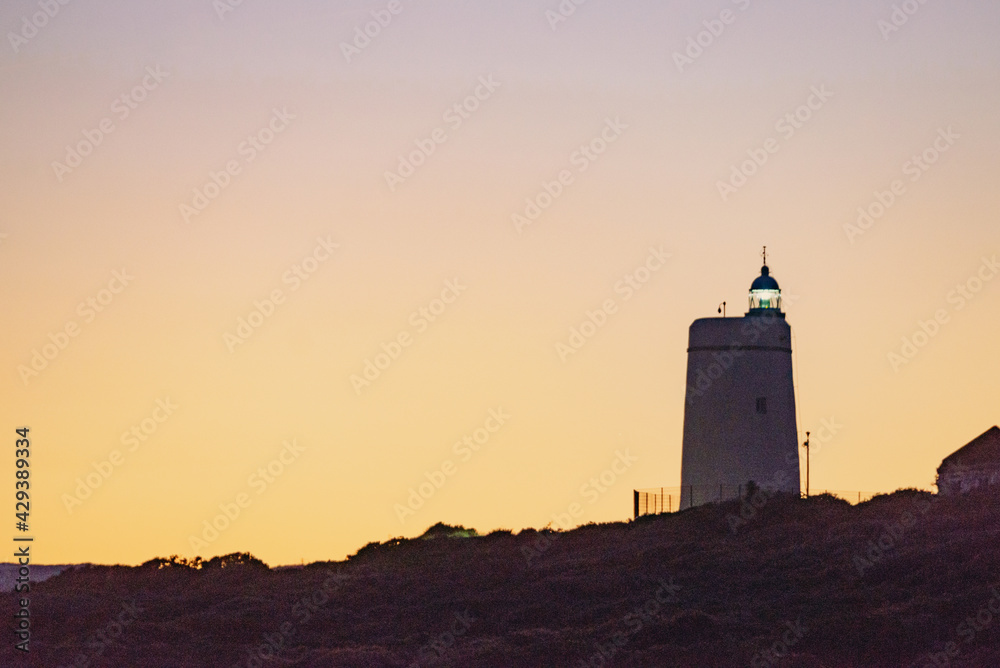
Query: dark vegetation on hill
[904, 579]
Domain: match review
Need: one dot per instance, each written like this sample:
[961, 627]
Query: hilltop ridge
[904, 579]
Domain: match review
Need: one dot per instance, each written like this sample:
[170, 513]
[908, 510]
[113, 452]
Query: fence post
[635, 503]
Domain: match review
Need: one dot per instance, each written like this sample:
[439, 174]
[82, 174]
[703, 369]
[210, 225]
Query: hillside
[816, 582]
[8, 574]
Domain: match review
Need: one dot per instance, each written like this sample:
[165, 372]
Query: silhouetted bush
[174, 561]
[234, 560]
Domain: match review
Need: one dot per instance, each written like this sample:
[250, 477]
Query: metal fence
[656, 500]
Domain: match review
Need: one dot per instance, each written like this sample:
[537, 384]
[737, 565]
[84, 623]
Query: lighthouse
[739, 415]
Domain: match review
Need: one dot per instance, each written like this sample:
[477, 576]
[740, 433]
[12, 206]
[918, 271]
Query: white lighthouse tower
[739, 418]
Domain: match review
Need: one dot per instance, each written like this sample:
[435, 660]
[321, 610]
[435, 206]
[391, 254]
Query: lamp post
[806, 446]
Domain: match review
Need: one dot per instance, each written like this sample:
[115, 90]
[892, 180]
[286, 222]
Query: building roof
[984, 449]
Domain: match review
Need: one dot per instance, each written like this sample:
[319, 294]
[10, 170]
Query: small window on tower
[762, 405]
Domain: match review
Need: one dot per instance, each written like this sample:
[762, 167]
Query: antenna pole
[722, 309]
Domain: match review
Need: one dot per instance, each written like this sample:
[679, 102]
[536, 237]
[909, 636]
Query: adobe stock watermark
[453, 117]
[107, 635]
[828, 429]
[223, 7]
[786, 127]
[259, 481]
[562, 12]
[133, 438]
[723, 361]
[596, 319]
[31, 25]
[634, 621]
[959, 297]
[914, 168]
[755, 499]
[438, 648]
[420, 320]
[581, 159]
[293, 277]
[366, 32]
[899, 17]
[273, 645]
[592, 490]
[248, 150]
[883, 545]
[87, 310]
[818, 438]
[121, 108]
[464, 448]
[773, 655]
[966, 632]
[698, 43]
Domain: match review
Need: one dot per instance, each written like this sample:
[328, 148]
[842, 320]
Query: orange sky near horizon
[204, 255]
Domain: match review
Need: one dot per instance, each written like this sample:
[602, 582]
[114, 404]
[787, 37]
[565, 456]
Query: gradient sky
[852, 294]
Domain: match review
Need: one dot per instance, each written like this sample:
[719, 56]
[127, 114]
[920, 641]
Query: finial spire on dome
[764, 255]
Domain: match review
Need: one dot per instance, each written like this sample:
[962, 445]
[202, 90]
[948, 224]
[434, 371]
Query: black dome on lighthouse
[764, 281]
